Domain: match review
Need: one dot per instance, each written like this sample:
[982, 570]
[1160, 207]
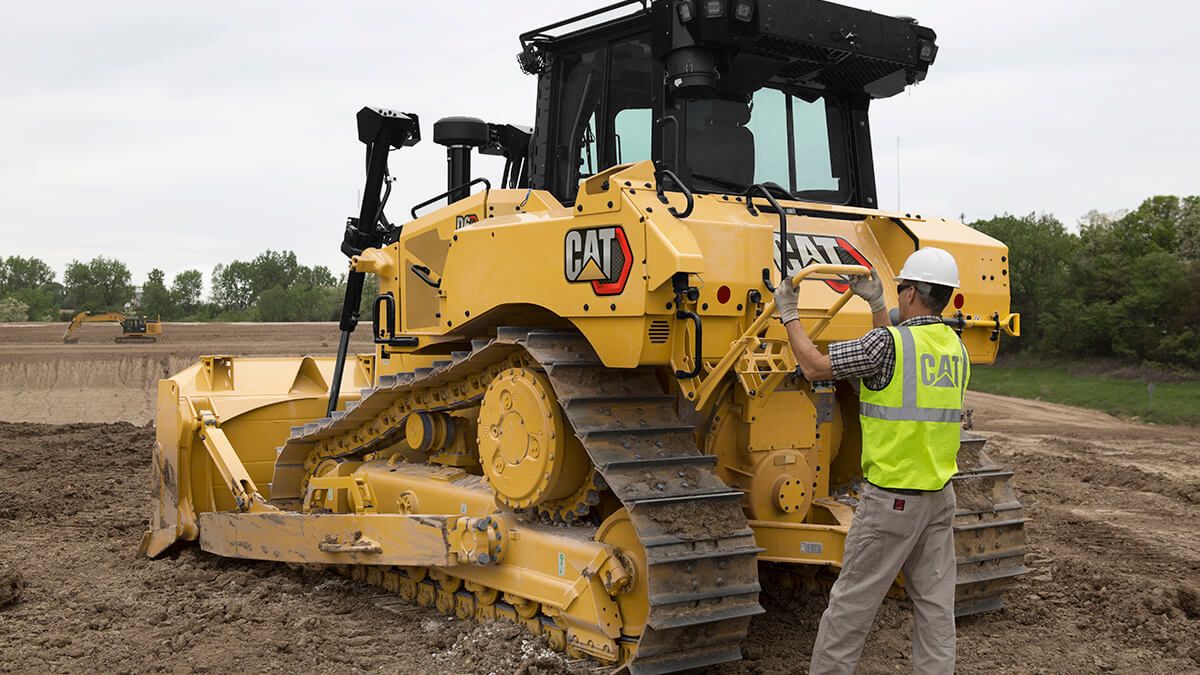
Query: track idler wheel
[527, 451]
[632, 599]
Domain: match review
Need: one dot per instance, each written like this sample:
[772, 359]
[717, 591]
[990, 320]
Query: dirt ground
[1113, 547]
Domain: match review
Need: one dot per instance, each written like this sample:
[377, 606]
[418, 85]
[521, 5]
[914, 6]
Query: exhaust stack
[460, 135]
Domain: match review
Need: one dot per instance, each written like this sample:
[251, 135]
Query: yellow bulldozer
[134, 329]
[581, 413]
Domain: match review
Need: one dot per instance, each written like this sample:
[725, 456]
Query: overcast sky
[181, 135]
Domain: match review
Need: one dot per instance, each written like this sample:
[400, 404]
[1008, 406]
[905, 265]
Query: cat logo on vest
[943, 373]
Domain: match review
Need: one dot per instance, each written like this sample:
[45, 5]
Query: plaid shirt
[872, 357]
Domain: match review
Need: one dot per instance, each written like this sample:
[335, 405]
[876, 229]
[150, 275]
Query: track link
[701, 557]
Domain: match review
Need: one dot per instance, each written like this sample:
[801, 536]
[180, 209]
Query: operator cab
[725, 93]
[134, 325]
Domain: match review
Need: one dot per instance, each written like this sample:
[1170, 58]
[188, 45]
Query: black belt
[905, 492]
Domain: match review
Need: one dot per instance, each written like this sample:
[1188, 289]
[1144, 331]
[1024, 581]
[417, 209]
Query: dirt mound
[1111, 584]
[475, 650]
[1077, 460]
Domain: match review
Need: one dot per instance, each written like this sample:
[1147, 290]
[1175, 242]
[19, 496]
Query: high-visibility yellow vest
[911, 427]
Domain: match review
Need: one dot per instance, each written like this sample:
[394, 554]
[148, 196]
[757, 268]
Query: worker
[911, 379]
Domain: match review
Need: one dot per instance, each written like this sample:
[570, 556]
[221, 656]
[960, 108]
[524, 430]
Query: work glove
[869, 289]
[787, 301]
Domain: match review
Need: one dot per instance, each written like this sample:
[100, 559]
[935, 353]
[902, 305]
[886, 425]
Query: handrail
[765, 189]
[530, 36]
[423, 273]
[662, 197]
[487, 187]
[831, 270]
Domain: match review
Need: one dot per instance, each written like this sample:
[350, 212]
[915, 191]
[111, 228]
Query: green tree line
[273, 286]
[1124, 286]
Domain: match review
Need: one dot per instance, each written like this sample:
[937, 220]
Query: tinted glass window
[771, 137]
[600, 126]
[633, 128]
[628, 104]
[580, 95]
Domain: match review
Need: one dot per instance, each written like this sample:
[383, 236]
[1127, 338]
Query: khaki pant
[893, 532]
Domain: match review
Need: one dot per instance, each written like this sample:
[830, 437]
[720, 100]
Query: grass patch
[1173, 402]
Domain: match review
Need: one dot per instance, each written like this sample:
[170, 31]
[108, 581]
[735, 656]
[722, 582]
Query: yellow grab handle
[832, 270]
[811, 270]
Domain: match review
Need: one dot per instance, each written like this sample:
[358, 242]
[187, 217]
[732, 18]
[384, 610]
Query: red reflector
[723, 294]
[958, 301]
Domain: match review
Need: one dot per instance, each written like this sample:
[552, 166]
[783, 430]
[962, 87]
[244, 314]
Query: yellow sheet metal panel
[298, 538]
[800, 543]
[172, 517]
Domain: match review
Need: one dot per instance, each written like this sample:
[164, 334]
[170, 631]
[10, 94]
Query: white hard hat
[931, 265]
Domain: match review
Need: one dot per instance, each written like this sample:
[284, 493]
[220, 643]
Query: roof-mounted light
[714, 9]
[926, 51]
[743, 10]
[686, 10]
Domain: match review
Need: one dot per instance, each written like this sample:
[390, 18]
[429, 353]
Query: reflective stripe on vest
[911, 427]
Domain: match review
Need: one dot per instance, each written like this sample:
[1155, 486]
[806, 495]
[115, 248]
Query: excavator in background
[134, 329]
[581, 413]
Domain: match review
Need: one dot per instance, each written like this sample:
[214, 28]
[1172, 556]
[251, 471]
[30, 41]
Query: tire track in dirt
[1114, 538]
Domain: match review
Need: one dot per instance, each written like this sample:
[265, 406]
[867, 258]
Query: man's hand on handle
[787, 301]
[869, 289]
[812, 362]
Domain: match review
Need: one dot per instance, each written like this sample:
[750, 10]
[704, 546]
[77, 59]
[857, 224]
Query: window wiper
[739, 188]
[721, 182]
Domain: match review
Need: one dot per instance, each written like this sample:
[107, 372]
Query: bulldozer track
[989, 530]
[701, 556]
[134, 340]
